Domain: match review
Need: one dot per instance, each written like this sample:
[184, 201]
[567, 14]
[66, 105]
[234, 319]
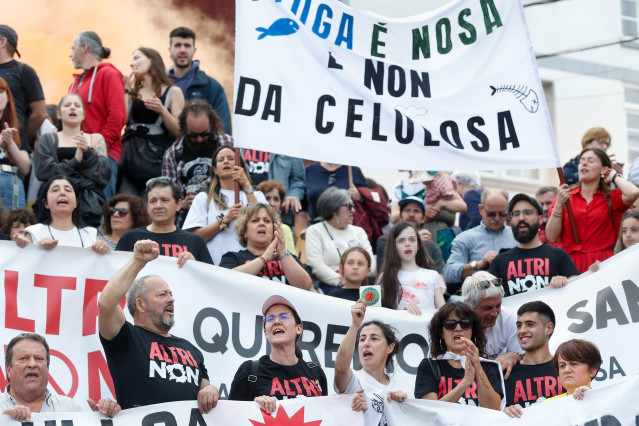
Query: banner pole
[571, 217]
[236, 184]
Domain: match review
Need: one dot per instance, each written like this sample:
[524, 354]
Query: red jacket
[102, 91]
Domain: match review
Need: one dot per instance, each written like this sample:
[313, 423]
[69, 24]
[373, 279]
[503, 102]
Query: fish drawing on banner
[281, 27]
[527, 97]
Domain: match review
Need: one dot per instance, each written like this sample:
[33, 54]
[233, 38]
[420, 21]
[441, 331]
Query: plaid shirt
[173, 169]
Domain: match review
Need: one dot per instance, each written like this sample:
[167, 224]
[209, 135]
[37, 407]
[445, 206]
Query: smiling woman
[266, 256]
[283, 373]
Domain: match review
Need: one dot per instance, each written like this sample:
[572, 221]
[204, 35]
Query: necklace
[76, 228]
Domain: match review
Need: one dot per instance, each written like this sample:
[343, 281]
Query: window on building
[632, 121]
[629, 17]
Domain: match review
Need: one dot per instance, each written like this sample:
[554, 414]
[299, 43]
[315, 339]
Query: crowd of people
[144, 162]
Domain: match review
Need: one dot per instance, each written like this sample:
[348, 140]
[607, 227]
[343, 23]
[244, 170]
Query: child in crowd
[17, 220]
[355, 265]
[408, 277]
[628, 234]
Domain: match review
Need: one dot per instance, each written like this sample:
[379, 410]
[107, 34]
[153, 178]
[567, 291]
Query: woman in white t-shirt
[59, 219]
[377, 345]
[408, 276]
[212, 214]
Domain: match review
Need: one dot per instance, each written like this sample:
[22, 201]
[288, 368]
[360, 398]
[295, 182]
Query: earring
[441, 345]
[337, 219]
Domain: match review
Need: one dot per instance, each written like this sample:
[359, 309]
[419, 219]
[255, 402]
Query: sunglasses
[331, 178]
[465, 324]
[283, 316]
[493, 214]
[486, 284]
[123, 212]
[350, 205]
[202, 135]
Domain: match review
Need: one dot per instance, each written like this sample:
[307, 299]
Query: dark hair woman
[80, 156]
[597, 210]
[282, 328]
[376, 345]
[153, 107]
[121, 213]
[15, 161]
[59, 220]
[457, 341]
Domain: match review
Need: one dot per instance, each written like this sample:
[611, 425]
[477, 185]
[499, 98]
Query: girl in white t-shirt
[408, 278]
[377, 345]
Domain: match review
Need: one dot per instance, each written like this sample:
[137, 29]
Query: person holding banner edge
[376, 345]
[597, 210]
[577, 361]
[137, 353]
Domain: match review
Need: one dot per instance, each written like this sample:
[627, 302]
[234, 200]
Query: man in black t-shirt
[534, 378]
[164, 199]
[531, 265]
[25, 86]
[148, 365]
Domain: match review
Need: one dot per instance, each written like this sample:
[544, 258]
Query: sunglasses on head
[486, 284]
[493, 214]
[465, 324]
[283, 316]
[123, 212]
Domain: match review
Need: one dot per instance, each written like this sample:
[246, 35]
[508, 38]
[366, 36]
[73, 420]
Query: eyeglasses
[331, 178]
[202, 135]
[113, 210]
[157, 179]
[602, 142]
[350, 205]
[486, 284]
[465, 324]
[283, 316]
[493, 214]
[525, 212]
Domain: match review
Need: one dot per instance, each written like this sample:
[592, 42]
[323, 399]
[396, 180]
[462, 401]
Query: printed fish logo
[526, 96]
[281, 27]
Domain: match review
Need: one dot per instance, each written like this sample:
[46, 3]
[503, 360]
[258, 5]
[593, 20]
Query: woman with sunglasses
[327, 240]
[282, 373]
[456, 373]
[213, 213]
[80, 156]
[597, 210]
[59, 221]
[121, 213]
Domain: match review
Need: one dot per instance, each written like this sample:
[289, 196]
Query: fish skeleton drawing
[526, 96]
[281, 27]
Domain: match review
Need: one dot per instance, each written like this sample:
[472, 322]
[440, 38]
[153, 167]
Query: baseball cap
[277, 300]
[523, 197]
[412, 199]
[11, 36]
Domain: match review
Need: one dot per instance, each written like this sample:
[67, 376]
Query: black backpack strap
[252, 377]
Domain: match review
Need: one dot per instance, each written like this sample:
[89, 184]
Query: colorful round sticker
[371, 296]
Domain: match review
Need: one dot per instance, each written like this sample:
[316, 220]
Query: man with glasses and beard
[188, 161]
[531, 265]
[474, 250]
[148, 364]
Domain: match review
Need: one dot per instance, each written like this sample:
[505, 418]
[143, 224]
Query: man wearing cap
[475, 249]
[413, 211]
[25, 86]
[531, 265]
[148, 364]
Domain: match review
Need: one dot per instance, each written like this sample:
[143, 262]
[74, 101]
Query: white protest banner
[456, 88]
[615, 404]
[601, 307]
[327, 411]
[55, 292]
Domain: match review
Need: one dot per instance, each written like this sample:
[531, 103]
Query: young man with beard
[188, 161]
[534, 378]
[187, 75]
[531, 265]
[148, 364]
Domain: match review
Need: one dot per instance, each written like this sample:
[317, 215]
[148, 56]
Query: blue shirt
[473, 244]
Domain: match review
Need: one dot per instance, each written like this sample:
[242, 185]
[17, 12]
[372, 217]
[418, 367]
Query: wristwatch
[473, 265]
[615, 177]
[286, 253]
[250, 190]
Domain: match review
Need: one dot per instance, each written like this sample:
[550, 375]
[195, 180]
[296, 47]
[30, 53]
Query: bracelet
[615, 177]
[262, 259]
[220, 220]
